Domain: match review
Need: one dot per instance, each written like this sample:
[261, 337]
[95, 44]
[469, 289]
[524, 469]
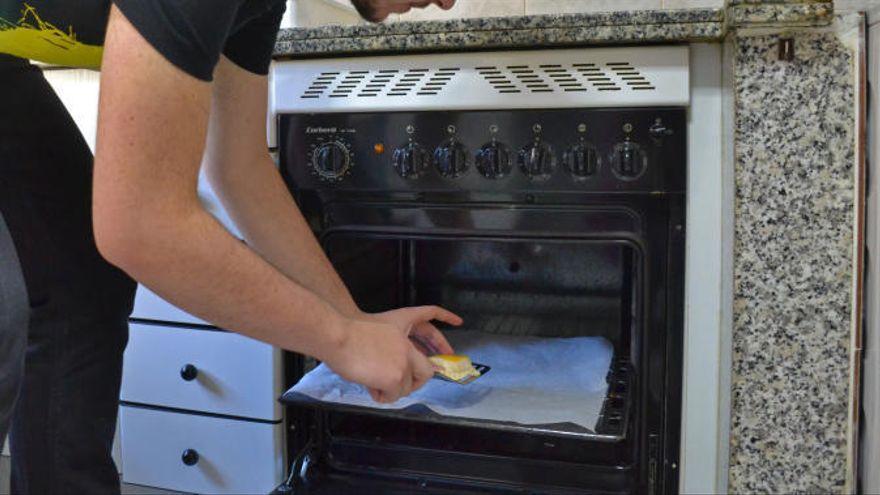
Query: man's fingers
[422, 369]
[428, 313]
[435, 339]
[445, 4]
[423, 345]
[407, 382]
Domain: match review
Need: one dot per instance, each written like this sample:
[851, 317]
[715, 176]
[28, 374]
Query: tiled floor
[126, 489]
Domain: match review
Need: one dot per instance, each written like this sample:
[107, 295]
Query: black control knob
[331, 161]
[189, 372]
[628, 160]
[658, 131]
[190, 457]
[410, 160]
[494, 160]
[451, 158]
[581, 160]
[537, 160]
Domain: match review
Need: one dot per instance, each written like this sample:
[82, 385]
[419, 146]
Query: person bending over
[183, 85]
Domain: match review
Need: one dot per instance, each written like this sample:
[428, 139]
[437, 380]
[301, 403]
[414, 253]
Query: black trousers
[65, 416]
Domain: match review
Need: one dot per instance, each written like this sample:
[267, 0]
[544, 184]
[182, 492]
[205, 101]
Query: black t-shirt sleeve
[250, 47]
[191, 34]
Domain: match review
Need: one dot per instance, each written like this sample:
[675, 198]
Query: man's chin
[369, 11]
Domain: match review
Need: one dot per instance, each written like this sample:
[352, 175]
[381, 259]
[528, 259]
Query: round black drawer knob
[189, 372]
[189, 457]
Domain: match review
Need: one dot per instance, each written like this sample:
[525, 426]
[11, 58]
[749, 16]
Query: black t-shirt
[191, 34]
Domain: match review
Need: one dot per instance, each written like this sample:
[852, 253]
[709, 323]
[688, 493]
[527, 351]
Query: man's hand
[415, 323]
[380, 357]
[379, 10]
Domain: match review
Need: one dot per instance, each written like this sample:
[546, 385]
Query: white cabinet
[207, 393]
[202, 370]
[200, 411]
[200, 454]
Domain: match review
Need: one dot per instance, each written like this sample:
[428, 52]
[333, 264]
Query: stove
[536, 193]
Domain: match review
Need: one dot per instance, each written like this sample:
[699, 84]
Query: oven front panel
[580, 150]
[542, 244]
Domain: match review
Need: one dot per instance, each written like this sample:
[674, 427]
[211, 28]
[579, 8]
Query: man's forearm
[192, 261]
[261, 206]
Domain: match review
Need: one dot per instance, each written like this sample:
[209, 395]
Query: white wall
[870, 454]
[310, 13]
[706, 387]
[78, 90]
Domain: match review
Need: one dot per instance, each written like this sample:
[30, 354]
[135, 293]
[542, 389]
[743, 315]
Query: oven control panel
[572, 150]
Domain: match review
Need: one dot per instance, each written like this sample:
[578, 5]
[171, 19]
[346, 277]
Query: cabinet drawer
[200, 454]
[202, 370]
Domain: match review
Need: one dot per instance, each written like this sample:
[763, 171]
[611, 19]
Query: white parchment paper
[533, 381]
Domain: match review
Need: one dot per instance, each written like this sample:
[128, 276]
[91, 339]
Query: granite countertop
[504, 32]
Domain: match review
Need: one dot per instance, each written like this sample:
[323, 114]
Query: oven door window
[526, 287]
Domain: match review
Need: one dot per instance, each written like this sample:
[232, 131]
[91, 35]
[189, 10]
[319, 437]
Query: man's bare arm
[245, 178]
[147, 216]
[149, 222]
[250, 187]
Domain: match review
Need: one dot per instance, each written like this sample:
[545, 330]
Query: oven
[540, 195]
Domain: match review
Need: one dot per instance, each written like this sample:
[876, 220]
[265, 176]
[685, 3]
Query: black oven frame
[645, 462]
[648, 461]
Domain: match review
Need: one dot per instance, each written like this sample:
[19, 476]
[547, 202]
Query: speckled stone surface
[793, 264]
[504, 32]
[778, 13]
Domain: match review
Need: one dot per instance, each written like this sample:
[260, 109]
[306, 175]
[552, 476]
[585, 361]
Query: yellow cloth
[32, 38]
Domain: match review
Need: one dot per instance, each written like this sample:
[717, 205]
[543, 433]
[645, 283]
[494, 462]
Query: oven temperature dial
[537, 160]
[494, 160]
[628, 160]
[451, 158]
[410, 160]
[331, 161]
[581, 160]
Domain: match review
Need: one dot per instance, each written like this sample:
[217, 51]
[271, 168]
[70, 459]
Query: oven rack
[612, 424]
[614, 417]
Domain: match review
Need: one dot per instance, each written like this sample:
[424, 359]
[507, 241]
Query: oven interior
[513, 286]
[524, 286]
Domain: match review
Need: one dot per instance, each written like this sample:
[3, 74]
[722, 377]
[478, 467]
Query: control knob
[628, 160]
[451, 158]
[410, 160]
[581, 160]
[494, 160]
[537, 160]
[331, 161]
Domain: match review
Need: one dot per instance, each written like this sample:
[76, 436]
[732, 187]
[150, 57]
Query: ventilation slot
[438, 81]
[320, 85]
[596, 77]
[564, 78]
[530, 78]
[500, 81]
[387, 82]
[630, 76]
[534, 78]
[407, 82]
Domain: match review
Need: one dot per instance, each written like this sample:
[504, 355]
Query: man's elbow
[121, 239]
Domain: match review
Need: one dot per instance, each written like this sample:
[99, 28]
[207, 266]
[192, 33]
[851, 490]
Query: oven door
[507, 271]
